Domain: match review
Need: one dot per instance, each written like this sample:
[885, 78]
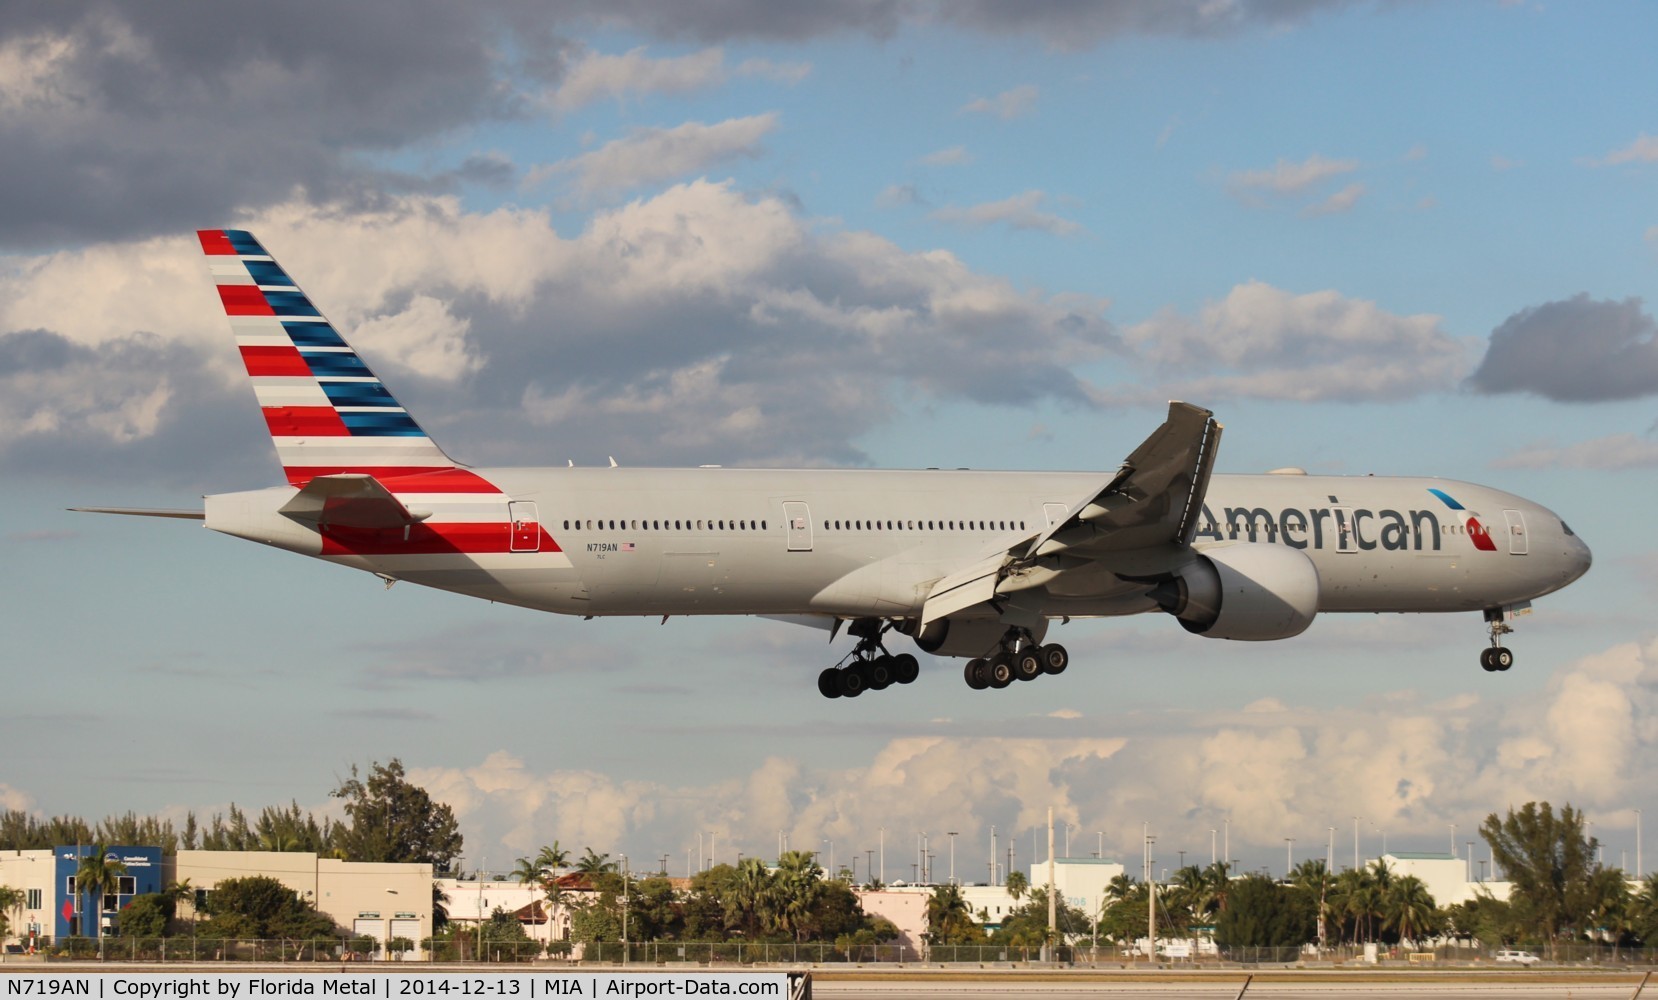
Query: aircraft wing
[1138, 522]
[350, 500]
[1154, 499]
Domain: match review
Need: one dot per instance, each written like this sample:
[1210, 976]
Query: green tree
[260, 907]
[949, 919]
[99, 874]
[552, 857]
[1017, 885]
[1260, 913]
[10, 899]
[1409, 911]
[1549, 859]
[147, 916]
[393, 820]
[1484, 918]
[593, 863]
[1027, 926]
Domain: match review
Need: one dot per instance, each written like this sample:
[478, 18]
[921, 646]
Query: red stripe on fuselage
[214, 243]
[285, 361]
[1481, 537]
[244, 300]
[304, 421]
[401, 478]
[426, 539]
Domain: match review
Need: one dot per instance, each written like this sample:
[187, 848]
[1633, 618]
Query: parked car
[1517, 957]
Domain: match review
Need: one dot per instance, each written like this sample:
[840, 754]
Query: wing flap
[964, 588]
[351, 500]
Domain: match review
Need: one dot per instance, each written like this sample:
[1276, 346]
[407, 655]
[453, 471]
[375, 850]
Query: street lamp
[624, 909]
[952, 835]
[1289, 855]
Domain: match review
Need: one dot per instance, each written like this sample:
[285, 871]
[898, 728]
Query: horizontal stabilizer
[350, 500]
[188, 515]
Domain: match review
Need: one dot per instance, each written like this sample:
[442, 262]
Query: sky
[1413, 238]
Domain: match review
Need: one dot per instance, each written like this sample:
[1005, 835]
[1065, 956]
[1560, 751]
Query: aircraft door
[1518, 545]
[798, 518]
[1344, 529]
[1055, 512]
[526, 526]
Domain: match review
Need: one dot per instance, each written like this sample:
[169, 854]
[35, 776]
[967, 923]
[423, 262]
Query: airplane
[973, 565]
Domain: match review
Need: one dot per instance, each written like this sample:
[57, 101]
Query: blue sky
[1402, 238]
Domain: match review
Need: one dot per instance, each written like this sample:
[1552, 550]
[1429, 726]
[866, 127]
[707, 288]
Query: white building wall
[1081, 882]
[30, 872]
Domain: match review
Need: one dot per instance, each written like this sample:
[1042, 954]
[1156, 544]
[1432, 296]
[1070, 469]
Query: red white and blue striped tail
[327, 412]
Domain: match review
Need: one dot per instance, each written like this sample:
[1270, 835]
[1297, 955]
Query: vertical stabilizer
[326, 411]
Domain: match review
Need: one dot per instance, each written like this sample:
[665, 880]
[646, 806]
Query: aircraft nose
[1582, 558]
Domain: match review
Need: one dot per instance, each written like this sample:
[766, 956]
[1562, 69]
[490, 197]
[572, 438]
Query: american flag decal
[627, 546]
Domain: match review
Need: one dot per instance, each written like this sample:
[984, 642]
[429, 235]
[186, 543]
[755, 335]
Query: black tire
[1503, 658]
[1488, 661]
[977, 674]
[879, 672]
[1001, 672]
[905, 668]
[829, 683]
[1027, 666]
[853, 681]
[1054, 658]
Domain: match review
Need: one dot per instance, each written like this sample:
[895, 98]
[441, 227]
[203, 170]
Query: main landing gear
[1020, 657]
[872, 667]
[1497, 657]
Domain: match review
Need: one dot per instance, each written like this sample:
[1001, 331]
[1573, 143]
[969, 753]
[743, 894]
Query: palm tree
[948, 915]
[552, 858]
[1407, 907]
[751, 904]
[183, 892]
[593, 863]
[526, 871]
[1313, 878]
[100, 874]
[1017, 884]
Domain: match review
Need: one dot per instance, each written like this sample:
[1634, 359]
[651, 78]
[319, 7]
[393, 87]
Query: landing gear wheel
[853, 681]
[1054, 658]
[977, 674]
[905, 668]
[879, 672]
[1001, 672]
[1502, 658]
[829, 683]
[1487, 661]
[1027, 665]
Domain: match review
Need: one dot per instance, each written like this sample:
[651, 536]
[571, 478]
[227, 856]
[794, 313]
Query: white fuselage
[851, 544]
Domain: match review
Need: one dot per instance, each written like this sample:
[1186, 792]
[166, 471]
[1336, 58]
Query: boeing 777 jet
[968, 564]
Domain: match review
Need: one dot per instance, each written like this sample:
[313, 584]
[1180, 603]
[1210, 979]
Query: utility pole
[1639, 871]
[1053, 900]
[1211, 845]
[1355, 843]
[625, 909]
[1289, 856]
[1330, 853]
[952, 835]
[883, 855]
[992, 854]
[1151, 899]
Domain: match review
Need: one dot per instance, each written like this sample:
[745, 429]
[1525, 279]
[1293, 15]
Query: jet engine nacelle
[954, 637]
[1244, 591]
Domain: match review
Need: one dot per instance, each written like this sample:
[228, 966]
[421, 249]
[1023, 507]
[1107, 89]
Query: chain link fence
[651, 953]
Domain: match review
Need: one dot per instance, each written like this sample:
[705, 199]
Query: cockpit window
[1567, 529]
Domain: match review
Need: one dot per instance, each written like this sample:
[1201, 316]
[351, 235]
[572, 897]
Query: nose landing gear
[871, 667]
[1019, 658]
[1497, 656]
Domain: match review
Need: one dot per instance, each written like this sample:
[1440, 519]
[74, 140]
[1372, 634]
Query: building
[906, 907]
[472, 900]
[377, 900]
[1081, 882]
[34, 874]
[1444, 875]
[76, 916]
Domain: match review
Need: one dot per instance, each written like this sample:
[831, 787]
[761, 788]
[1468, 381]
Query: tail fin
[327, 412]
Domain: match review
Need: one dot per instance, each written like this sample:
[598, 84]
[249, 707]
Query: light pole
[831, 844]
[1355, 843]
[484, 865]
[1289, 856]
[1639, 871]
[1470, 875]
[624, 909]
[869, 863]
[1212, 856]
[883, 854]
[952, 835]
[1453, 840]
